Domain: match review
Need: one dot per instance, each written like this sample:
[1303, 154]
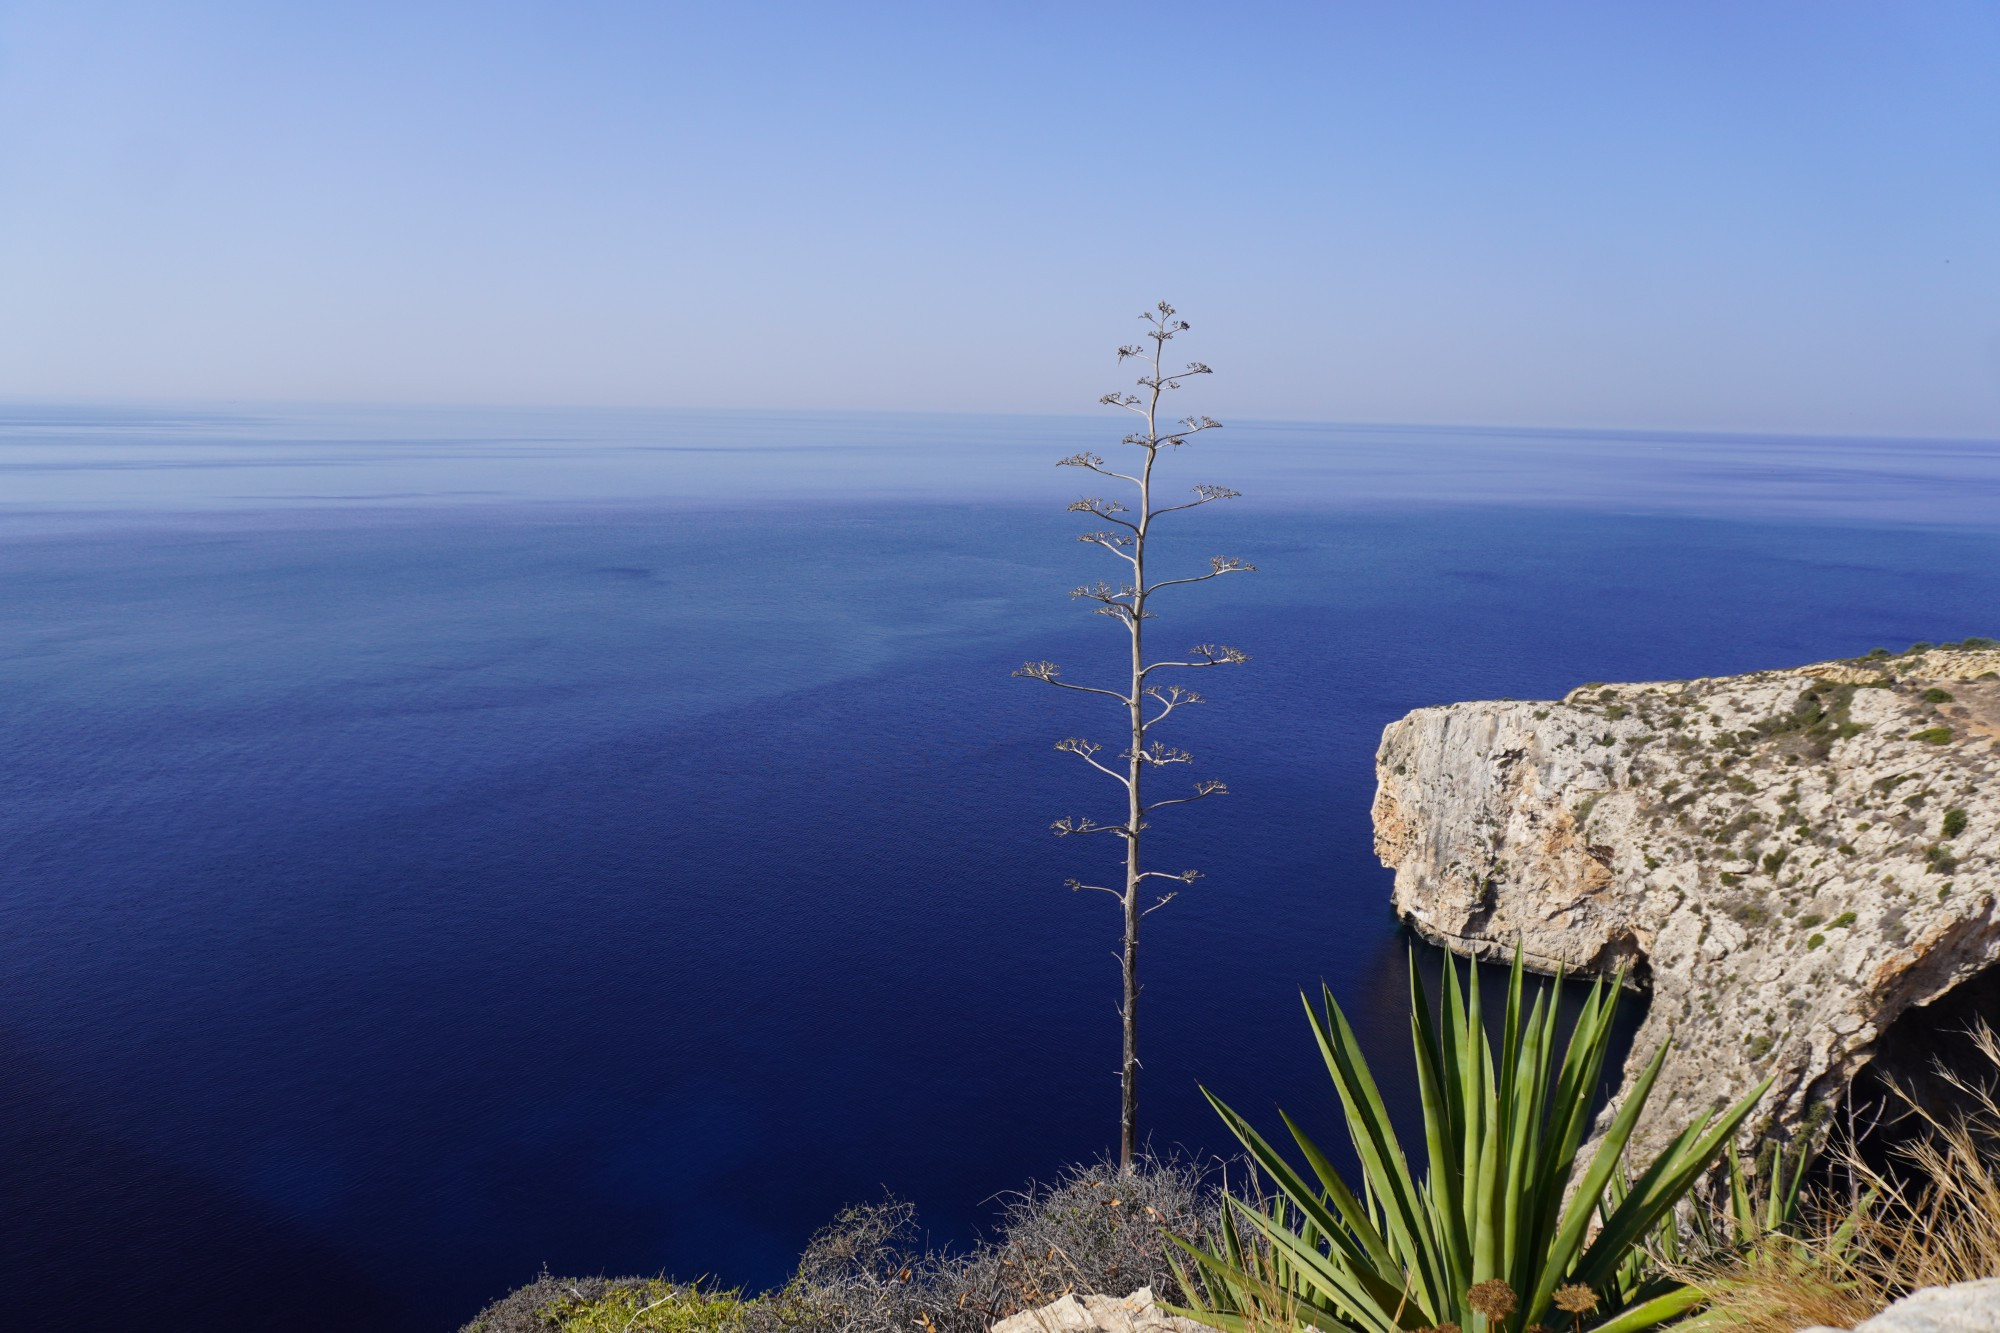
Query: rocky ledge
[1789, 860]
[1137, 1313]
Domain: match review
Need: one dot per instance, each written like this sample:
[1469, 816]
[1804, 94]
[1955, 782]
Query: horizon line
[243, 407]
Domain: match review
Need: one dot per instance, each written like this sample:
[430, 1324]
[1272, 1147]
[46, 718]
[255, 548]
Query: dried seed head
[1575, 1299]
[1492, 1298]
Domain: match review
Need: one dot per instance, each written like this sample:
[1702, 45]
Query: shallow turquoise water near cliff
[438, 844]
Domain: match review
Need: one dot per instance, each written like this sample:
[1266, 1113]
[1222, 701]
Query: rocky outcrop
[1136, 1313]
[1789, 860]
[1963, 1307]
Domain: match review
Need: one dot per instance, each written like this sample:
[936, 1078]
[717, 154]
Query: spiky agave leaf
[1500, 1201]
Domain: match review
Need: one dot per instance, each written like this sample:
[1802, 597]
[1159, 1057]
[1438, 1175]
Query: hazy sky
[1771, 216]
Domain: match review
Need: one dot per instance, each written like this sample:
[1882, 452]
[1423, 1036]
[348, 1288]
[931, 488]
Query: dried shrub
[871, 1270]
[1095, 1230]
[867, 1271]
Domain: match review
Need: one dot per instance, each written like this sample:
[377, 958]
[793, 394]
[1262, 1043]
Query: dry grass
[1779, 1289]
[1931, 1216]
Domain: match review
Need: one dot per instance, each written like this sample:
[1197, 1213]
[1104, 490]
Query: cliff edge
[1790, 860]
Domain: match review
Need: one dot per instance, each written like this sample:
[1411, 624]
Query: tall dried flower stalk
[1145, 700]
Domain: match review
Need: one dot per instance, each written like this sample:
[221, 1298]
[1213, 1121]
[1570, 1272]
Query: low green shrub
[1748, 913]
[612, 1305]
[1954, 823]
[654, 1306]
[1820, 717]
[1932, 735]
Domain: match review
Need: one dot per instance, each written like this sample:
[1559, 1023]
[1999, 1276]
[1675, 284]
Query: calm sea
[442, 844]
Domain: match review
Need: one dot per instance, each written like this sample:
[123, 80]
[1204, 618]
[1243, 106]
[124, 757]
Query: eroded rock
[1776, 855]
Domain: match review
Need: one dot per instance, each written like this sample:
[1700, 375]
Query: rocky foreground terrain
[1790, 860]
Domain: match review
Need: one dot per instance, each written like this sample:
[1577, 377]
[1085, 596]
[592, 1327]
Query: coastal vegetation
[1143, 698]
[1518, 1221]
[1501, 1229]
[871, 1270]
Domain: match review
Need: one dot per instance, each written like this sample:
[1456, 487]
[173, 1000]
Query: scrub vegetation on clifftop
[871, 1270]
[1520, 1220]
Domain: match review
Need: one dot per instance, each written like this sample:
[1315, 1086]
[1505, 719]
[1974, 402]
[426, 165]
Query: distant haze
[1738, 216]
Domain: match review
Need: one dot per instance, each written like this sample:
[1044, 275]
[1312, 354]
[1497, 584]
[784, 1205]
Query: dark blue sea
[437, 845]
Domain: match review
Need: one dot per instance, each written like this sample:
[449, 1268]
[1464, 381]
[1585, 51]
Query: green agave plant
[1757, 1208]
[1500, 1232]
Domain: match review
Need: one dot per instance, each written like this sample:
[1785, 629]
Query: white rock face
[1790, 859]
[1136, 1313]
[1963, 1307]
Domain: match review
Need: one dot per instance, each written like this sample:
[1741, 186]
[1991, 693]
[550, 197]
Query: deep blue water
[438, 845]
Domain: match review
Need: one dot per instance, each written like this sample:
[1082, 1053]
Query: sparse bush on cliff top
[1094, 1229]
[870, 1270]
[1097, 1230]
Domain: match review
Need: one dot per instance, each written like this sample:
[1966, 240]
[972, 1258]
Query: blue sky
[1690, 215]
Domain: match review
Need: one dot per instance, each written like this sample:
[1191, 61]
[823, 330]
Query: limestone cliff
[1790, 859]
